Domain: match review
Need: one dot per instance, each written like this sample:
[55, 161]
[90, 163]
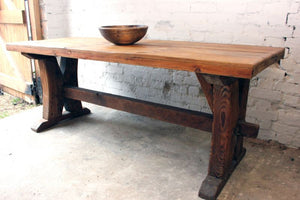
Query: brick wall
[274, 99]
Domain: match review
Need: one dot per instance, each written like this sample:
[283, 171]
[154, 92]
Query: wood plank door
[16, 71]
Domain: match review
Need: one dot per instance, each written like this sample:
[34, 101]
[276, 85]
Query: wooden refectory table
[223, 70]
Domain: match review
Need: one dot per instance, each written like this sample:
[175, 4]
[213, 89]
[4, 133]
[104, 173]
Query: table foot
[45, 124]
[212, 186]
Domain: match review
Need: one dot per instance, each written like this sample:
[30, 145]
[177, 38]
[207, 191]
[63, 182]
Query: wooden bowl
[123, 34]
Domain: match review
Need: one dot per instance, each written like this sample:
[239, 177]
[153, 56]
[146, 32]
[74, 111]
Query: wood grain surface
[225, 111]
[241, 61]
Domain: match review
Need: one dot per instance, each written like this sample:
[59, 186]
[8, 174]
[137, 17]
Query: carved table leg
[52, 84]
[227, 98]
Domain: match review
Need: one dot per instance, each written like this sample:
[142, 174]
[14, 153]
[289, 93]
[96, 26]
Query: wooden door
[16, 71]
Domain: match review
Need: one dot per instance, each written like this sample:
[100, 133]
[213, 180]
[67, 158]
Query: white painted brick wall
[274, 98]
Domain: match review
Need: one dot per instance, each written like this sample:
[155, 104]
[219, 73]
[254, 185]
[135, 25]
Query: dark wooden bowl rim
[124, 27]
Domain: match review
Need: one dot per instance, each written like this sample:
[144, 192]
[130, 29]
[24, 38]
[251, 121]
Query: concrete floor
[112, 155]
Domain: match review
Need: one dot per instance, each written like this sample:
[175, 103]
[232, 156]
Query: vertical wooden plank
[243, 97]
[225, 118]
[52, 84]
[35, 19]
[69, 69]
[226, 110]
[36, 33]
[207, 89]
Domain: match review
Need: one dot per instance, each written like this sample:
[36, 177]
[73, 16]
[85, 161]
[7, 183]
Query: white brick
[289, 117]
[270, 95]
[284, 129]
[219, 37]
[275, 12]
[265, 124]
[294, 7]
[292, 101]
[175, 97]
[294, 18]
[157, 84]
[251, 101]
[189, 80]
[204, 7]
[263, 105]
[296, 32]
[262, 114]
[289, 64]
[130, 79]
[160, 74]
[274, 41]
[142, 92]
[288, 88]
[265, 134]
[284, 138]
[178, 79]
[253, 7]
[295, 79]
[115, 68]
[272, 72]
[231, 6]
[294, 45]
[285, 133]
[265, 83]
[183, 90]
[193, 91]
[194, 107]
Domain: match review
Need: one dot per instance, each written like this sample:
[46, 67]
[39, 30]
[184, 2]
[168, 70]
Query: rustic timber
[247, 129]
[224, 72]
[239, 150]
[52, 83]
[243, 94]
[225, 110]
[193, 119]
[207, 89]
[166, 113]
[225, 120]
[241, 61]
[44, 124]
[212, 186]
[69, 67]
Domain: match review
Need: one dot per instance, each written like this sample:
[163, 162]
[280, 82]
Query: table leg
[226, 148]
[53, 81]
[239, 150]
[69, 68]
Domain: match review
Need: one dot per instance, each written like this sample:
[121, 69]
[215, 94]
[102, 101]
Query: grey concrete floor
[113, 155]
